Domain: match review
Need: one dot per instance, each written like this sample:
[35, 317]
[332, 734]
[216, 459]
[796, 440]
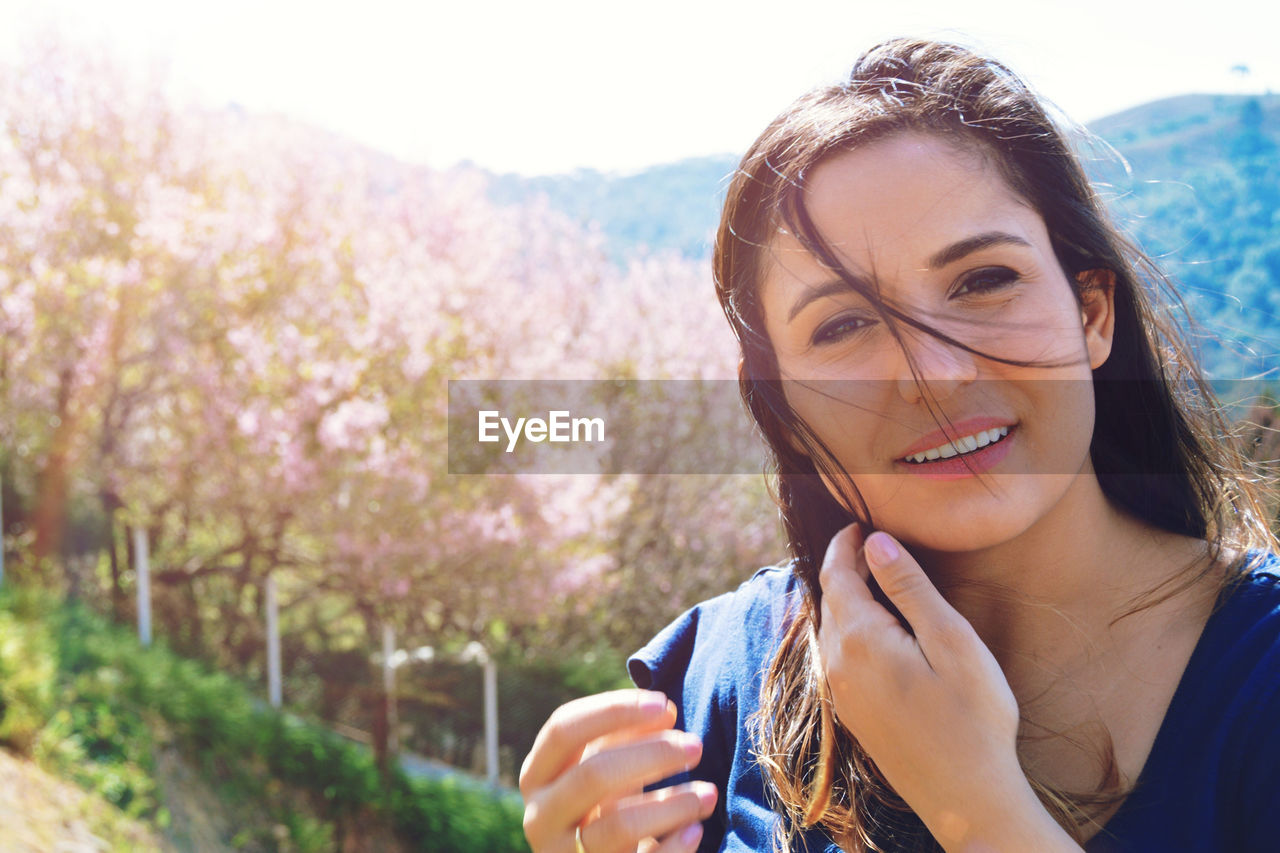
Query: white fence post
[389, 687]
[273, 644]
[491, 720]
[477, 653]
[142, 571]
[473, 653]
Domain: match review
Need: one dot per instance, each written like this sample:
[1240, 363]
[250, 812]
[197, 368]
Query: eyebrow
[976, 243]
[827, 288]
[948, 255]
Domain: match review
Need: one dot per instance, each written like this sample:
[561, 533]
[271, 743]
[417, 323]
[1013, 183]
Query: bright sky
[541, 86]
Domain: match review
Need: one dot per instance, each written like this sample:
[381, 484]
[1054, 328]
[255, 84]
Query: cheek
[1080, 418]
[819, 414]
[847, 424]
[842, 415]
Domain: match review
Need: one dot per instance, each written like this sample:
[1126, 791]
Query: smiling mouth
[960, 446]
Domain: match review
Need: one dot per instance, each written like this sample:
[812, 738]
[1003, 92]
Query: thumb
[906, 585]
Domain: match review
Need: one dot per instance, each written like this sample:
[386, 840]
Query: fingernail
[706, 797]
[652, 703]
[691, 833]
[881, 549]
[692, 746]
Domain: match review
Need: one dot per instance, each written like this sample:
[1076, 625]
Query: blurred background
[243, 249]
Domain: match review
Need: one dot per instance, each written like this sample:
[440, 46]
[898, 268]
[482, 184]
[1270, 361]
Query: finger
[575, 724]
[847, 601]
[684, 840]
[618, 738]
[905, 584]
[844, 575]
[614, 773]
[855, 629]
[609, 741]
[652, 815]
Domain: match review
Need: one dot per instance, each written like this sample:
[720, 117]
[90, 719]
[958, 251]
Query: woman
[1029, 605]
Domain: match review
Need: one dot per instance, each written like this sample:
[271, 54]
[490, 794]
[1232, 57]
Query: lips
[963, 444]
[955, 430]
[966, 448]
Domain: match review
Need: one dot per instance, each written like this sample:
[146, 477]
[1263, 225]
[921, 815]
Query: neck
[1051, 599]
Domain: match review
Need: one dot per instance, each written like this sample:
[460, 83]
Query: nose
[940, 367]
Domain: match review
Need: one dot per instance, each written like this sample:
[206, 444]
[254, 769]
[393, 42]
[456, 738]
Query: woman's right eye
[840, 328]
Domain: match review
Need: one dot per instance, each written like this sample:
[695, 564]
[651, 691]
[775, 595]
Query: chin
[977, 514]
[977, 535]
[951, 545]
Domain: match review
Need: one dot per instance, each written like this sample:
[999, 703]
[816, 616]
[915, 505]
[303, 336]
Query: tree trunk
[111, 507]
[381, 734]
[49, 518]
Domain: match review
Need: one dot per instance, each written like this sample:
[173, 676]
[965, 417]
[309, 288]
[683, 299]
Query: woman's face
[979, 450]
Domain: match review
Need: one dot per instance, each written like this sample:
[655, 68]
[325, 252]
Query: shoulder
[736, 627]
[1212, 780]
[711, 662]
[1239, 663]
[1235, 669]
[1240, 644]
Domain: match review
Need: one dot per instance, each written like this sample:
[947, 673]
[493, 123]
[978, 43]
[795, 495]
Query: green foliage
[26, 681]
[74, 721]
[308, 834]
[302, 754]
[440, 701]
[101, 736]
[448, 815]
[103, 748]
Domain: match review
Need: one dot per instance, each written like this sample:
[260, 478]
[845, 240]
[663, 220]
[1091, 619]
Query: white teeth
[964, 444]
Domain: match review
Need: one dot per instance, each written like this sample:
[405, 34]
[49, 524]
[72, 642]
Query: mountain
[1203, 198]
[1196, 182]
[1185, 132]
[672, 206]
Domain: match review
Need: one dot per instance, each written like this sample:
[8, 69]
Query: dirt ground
[40, 813]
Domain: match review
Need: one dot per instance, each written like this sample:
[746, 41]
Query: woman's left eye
[984, 281]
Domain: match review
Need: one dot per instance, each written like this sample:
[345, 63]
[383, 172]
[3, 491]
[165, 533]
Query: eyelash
[999, 278]
[974, 284]
[835, 329]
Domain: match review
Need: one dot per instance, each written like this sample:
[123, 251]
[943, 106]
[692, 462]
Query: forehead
[886, 207]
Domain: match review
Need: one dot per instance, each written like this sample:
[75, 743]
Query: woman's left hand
[931, 706]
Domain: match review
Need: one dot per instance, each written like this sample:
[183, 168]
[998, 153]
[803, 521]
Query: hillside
[144, 735]
[40, 812]
[1173, 135]
[677, 205]
[670, 206]
[1196, 182]
[1203, 197]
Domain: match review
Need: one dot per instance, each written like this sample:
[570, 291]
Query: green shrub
[74, 721]
[455, 816]
[307, 834]
[27, 678]
[99, 727]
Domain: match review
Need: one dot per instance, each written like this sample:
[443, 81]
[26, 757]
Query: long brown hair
[1157, 444]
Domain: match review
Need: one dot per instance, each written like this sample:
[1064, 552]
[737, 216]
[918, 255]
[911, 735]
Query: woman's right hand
[588, 769]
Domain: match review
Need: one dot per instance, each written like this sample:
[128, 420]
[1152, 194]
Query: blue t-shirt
[1211, 782]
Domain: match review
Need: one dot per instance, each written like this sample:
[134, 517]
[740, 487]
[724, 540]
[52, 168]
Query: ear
[1098, 313]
